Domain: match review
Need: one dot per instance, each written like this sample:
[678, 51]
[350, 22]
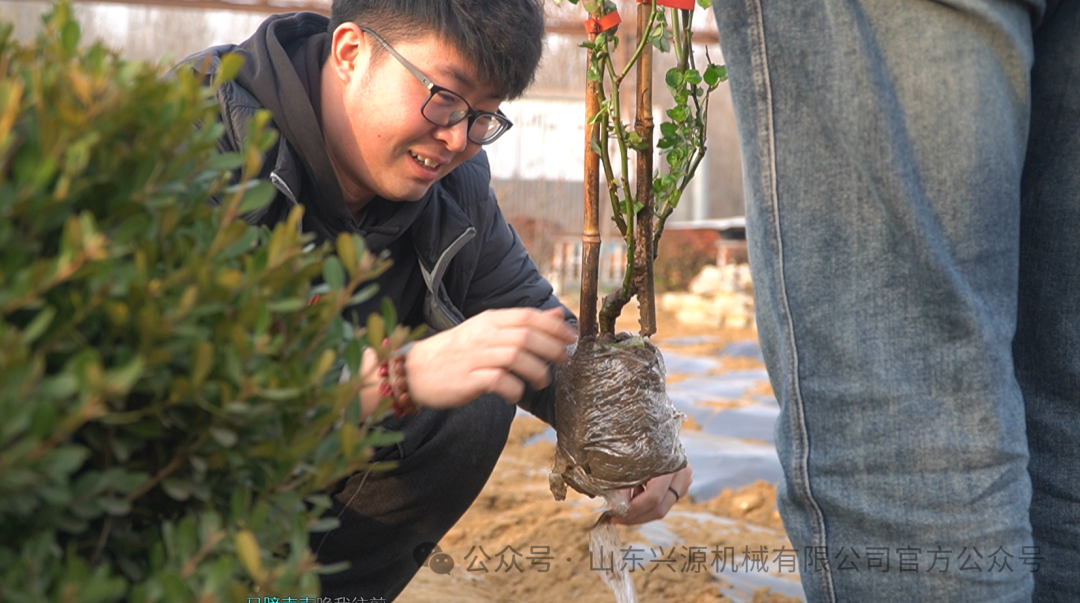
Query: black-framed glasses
[445, 108]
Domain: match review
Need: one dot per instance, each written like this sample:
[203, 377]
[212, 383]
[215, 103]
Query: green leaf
[121, 379]
[376, 330]
[353, 355]
[102, 588]
[38, 326]
[43, 422]
[389, 314]
[636, 142]
[352, 413]
[258, 515]
[378, 438]
[364, 294]
[86, 509]
[692, 77]
[257, 197]
[121, 448]
[55, 496]
[198, 464]
[225, 162]
[239, 502]
[360, 244]
[669, 129]
[230, 66]
[287, 306]
[71, 525]
[280, 394]
[202, 361]
[674, 77]
[187, 538]
[223, 436]
[715, 74]
[70, 36]
[64, 461]
[61, 386]
[333, 273]
[114, 506]
[327, 448]
[262, 323]
[175, 589]
[325, 524]
[346, 252]
[176, 489]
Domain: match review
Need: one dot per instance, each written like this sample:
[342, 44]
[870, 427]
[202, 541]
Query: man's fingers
[538, 343]
[651, 504]
[558, 326]
[660, 494]
[548, 321]
[529, 368]
[501, 383]
[520, 363]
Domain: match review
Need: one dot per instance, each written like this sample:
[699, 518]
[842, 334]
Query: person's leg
[1047, 344]
[443, 463]
[883, 145]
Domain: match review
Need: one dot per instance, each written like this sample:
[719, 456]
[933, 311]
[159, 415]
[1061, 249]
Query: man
[382, 112]
[913, 204]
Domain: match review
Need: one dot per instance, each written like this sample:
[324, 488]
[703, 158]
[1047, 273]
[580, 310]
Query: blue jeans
[912, 176]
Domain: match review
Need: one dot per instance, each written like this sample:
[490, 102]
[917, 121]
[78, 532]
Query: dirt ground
[516, 544]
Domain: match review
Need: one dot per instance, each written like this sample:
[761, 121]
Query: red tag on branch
[683, 4]
[595, 26]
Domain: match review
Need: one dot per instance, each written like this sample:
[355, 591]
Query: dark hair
[503, 39]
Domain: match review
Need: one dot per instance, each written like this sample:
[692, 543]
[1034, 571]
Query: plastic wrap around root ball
[616, 425]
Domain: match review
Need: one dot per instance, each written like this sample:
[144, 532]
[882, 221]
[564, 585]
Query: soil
[548, 559]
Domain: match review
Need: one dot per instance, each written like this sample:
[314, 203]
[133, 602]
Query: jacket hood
[282, 63]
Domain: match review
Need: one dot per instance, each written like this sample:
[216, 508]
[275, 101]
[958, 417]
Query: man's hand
[656, 497]
[498, 351]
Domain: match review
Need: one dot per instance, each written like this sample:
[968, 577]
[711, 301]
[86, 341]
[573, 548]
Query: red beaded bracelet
[395, 384]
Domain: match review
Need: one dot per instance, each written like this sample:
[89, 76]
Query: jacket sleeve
[506, 277]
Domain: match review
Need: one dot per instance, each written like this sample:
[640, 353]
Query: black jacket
[454, 254]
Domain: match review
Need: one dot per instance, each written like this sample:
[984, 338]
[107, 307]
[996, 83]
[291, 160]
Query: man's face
[380, 143]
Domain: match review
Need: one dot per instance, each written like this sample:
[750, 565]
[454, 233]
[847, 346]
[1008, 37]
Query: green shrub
[171, 407]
